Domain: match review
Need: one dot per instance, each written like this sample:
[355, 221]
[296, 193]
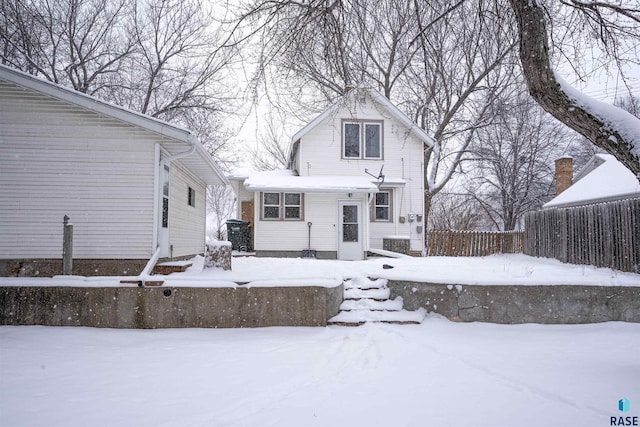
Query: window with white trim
[292, 206]
[270, 205]
[361, 139]
[282, 206]
[382, 206]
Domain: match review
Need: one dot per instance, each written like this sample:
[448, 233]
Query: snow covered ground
[439, 373]
[505, 269]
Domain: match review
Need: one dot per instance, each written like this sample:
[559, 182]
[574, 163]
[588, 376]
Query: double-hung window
[292, 206]
[382, 206]
[361, 139]
[282, 206]
[271, 205]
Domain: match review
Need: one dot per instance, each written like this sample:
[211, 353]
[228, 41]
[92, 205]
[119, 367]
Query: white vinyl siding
[186, 223]
[56, 160]
[321, 152]
[320, 210]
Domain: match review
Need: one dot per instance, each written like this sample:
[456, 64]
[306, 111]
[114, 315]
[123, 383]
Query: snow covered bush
[218, 255]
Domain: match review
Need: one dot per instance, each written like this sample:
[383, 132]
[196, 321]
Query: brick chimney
[564, 174]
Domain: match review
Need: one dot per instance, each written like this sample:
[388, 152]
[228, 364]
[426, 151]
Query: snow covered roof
[610, 180]
[287, 180]
[200, 163]
[379, 98]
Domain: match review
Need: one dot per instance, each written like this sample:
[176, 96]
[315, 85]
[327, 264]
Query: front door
[350, 230]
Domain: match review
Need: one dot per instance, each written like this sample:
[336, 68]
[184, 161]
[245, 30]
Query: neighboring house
[133, 186]
[329, 198]
[603, 179]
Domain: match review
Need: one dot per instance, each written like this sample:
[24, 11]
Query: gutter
[191, 140]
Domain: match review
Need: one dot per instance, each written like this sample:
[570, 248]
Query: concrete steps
[367, 300]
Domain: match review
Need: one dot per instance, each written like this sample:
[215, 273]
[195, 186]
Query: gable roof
[602, 179]
[381, 100]
[200, 163]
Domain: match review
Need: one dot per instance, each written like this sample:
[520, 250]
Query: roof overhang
[286, 181]
[174, 138]
[379, 98]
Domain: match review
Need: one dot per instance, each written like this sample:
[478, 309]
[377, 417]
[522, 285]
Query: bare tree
[514, 160]
[445, 76]
[165, 58]
[273, 147]
[630, 104]
[466, 61]
[72, 42]
[456, 211]
[615, 131]
[221, 204]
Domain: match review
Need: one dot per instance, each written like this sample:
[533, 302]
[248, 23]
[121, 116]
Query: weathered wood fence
[474, 243]
[604, 235]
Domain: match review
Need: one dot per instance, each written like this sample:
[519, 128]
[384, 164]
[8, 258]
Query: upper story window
[361, 139]
[279, 206]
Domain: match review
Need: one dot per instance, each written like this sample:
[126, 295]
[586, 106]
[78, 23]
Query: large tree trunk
[547, 91]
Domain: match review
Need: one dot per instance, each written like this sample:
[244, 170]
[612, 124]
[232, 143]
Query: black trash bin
[239, 234]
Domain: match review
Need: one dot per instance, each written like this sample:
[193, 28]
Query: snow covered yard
[503, 269]
[439, 373]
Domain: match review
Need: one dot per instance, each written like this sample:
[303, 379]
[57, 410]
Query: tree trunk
[428, 197]
[546, 90]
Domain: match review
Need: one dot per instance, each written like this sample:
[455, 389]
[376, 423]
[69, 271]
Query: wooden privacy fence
[474, 243]
[604, 235]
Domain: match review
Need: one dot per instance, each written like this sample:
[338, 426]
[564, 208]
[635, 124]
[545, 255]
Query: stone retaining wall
[522, 304]
[166, 307]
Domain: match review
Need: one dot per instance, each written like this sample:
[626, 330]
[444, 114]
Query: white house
[133, 186]
[355, 178]
[603, 179]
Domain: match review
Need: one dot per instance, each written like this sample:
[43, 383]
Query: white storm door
[350, 230]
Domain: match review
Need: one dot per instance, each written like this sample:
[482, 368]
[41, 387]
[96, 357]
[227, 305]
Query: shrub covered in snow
[218, 255]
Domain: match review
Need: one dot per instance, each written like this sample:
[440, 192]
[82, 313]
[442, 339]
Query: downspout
[191, 151]
[154, 258]
[144, 276]
[156, 196]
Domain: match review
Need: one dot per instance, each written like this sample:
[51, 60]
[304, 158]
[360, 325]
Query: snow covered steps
[367, 300]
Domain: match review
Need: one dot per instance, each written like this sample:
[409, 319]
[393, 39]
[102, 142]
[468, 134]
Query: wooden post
[67, 247]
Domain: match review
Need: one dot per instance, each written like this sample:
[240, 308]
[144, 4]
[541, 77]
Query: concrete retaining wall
[163, 307]
[522, 304]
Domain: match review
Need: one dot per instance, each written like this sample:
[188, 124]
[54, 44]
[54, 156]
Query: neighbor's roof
[379, 98]
[287, 180]
[201, 163]
[610, 180]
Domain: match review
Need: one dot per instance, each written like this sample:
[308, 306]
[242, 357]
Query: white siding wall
[56, 159]
[186, 223]
[319, 209]
[320, 154]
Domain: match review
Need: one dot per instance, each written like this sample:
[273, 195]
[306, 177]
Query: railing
[604, 235]
[474, 243]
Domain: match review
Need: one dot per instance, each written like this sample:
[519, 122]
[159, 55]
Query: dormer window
[361, 139]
